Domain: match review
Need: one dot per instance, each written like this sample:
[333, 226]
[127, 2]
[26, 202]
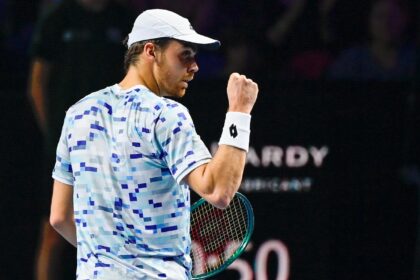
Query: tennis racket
[218, 237]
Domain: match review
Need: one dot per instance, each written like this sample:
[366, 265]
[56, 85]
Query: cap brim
[202, 41]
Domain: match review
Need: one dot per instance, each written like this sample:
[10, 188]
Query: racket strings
[217, 233]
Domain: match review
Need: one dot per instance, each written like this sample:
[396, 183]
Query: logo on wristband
[233, 131]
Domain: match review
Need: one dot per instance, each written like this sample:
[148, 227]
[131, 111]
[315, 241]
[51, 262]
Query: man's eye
[187, 54]
[187, 57]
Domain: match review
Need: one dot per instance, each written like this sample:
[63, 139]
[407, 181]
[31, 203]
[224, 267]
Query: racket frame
[244, 243]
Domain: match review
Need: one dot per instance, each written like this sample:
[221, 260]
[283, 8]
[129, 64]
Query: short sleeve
[62, 169]
[181, 147]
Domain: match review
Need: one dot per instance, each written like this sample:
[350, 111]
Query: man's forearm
[67, 229]
[61, 216]
[226, 170]
[219, 180]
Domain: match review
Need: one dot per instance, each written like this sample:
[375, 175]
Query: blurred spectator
[299, 38]
[386, 55]
[72, 41]
[240, 24]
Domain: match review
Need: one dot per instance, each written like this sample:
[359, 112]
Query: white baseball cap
[159, 23]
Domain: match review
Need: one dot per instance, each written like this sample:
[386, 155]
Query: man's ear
[149, 50]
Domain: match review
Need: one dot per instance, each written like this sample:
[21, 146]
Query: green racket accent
[219, 236]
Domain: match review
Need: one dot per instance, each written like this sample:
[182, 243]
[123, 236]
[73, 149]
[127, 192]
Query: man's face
[175, 68]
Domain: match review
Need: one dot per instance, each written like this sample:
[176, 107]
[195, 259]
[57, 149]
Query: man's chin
[182, 93]
[179, 94]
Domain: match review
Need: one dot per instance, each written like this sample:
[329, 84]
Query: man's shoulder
[174, 114]
[96, 97]
[171, 106]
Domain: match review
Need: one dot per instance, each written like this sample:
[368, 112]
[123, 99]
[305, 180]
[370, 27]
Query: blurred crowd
[281, 39]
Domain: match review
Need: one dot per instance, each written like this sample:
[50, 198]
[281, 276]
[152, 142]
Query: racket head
[227, 257]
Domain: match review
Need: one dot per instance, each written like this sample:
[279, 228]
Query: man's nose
[193, 67]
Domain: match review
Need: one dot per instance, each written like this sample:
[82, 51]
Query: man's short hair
[131, 56]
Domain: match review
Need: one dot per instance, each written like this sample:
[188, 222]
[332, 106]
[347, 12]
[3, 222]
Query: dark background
[358, 220]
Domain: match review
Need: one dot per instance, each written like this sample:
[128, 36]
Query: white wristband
[236, 130]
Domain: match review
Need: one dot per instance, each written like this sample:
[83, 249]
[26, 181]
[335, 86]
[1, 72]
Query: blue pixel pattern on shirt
[126, 152]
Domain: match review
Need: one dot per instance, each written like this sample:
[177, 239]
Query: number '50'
[261, 259]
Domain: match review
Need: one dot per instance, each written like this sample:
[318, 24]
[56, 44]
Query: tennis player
[127, 157]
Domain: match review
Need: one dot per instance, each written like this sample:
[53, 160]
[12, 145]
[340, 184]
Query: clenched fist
[242, 93]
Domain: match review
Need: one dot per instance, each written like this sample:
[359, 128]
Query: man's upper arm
[182, 148]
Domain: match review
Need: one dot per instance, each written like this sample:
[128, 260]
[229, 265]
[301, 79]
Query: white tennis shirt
[125, 152]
